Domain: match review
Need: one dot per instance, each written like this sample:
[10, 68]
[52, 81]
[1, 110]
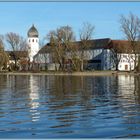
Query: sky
[18, 17]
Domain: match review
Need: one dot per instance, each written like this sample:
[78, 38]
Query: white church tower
[33, 42]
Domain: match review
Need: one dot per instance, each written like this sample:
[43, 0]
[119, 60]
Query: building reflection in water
[127, 83]
[34, 98]
[129, 103]
[24, 93]
[67, 103]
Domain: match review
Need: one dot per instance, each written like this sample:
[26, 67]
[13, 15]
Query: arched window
[33, 40]
[29, 40]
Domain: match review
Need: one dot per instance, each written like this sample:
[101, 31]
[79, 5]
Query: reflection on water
[69, 107]
[34, 98]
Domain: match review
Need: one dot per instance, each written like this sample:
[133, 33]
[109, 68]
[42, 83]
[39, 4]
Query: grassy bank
[85, 73]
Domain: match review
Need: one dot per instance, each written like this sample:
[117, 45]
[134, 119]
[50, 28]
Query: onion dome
[33, 32]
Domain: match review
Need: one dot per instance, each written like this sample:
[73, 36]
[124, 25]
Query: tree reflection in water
[76, 106]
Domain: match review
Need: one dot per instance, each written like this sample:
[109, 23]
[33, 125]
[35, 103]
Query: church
[99, 55]
[25, 58]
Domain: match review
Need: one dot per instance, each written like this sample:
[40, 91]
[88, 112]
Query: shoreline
[85, 73]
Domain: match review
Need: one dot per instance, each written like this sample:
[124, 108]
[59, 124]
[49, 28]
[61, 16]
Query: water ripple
[69, 107]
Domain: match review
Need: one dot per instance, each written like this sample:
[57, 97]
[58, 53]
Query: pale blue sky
[19, 16]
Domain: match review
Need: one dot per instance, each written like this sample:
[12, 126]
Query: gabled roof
[94, 44]
[120, 42]
[121, 46]
[45, 49]
[101, 43]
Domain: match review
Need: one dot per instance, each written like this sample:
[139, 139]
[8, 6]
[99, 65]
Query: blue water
[69, 107]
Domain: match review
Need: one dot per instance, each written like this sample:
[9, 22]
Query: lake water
[69, 107]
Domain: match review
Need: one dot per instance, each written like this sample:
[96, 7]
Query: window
[124, 56]
[29, 40]
[120, 66]
[33, 40]
[36, 40]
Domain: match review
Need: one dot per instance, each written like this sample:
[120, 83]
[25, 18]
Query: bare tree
[57, 51]
[86, 34]
[3, 56]
[61, 40]
[117, 48]
[115, 57]
[130, 26]
[17, 44]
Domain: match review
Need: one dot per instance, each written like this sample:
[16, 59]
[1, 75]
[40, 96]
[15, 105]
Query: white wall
[126, 62]
[33, 43]
[43, 58]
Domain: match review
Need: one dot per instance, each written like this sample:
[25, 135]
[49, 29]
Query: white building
[99, 56]
[33, 42]
[126, 62]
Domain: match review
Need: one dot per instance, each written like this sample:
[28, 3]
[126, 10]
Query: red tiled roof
[105, 43]
[121, 46]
